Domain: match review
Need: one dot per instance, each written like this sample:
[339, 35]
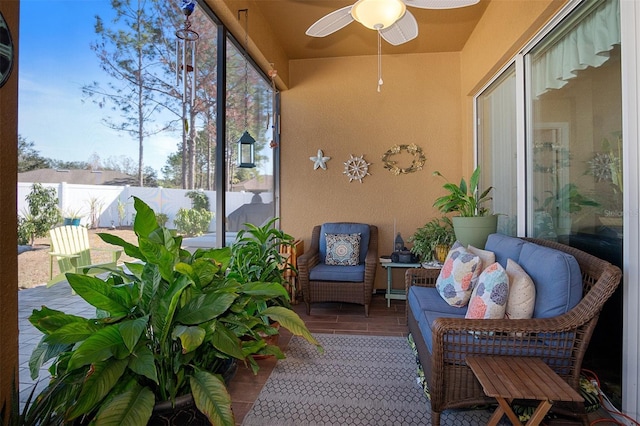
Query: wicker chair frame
[560, 341]
[337, 291]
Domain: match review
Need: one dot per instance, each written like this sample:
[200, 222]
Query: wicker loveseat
[321, 282]
[443, 340]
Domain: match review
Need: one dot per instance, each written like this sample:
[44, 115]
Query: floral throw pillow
[343, 249]
[458, 276]
[489, 296]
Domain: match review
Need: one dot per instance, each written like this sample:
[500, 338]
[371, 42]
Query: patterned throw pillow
[342, 249]
[458, 276]
[522, 293]
[489, 296]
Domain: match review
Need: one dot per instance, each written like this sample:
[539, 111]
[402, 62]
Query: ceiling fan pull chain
[380, 82]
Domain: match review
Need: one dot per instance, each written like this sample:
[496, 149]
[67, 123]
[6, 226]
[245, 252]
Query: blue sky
[55, 61]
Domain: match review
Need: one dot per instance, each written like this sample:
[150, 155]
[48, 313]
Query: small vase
[441, 252]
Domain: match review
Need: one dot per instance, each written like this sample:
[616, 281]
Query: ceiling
[439, 30]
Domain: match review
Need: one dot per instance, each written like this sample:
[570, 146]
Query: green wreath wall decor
[413, 149]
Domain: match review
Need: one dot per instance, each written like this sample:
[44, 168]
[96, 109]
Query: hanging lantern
[246, 151]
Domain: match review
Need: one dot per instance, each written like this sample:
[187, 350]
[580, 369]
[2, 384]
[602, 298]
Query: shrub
[194, 221]
[162, 219]
[42, 213]
[25, 229]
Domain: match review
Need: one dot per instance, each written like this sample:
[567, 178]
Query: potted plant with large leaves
[257, 255]
[434, 239]
[163, 329]
[473, 223]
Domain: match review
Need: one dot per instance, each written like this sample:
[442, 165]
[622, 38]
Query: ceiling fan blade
[331, 23]
[439, 4]
[402, 31]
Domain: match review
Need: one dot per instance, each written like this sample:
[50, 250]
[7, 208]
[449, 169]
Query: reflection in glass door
[574, 146]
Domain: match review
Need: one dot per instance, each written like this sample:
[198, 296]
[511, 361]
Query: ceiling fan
[390, 18]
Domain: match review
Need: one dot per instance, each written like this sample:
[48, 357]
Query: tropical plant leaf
[130, 249]
[292, 322]
[43, 353]
[151, 282]
[211, 397]
[190, 337]
[133, 407]
[221, 255]
[49, 320]
[135, 268]
[205, 307]
[163, 312]
[103, 377]
[145, 222]
[132, 330]
[226, 341]
[142, 362]
[97, 293]
[98, 347]
[270, 289]
[72, 333]
[160, 256]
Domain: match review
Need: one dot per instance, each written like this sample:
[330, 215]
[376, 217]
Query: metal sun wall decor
[356, 168]
[416, 164]
[320, 160]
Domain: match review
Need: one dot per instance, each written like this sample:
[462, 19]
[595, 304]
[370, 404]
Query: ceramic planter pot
[475, 230]
[441, 252]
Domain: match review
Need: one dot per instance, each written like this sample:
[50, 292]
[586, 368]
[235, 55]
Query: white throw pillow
[522, 292]
[487, 257]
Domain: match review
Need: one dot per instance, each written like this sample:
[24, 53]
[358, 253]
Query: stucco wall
[333, 105]
[8, 242]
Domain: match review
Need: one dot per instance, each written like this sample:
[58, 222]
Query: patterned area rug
[359, 380]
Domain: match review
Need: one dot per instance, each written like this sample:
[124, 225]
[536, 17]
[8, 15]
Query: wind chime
[186, 52]
[246, 143]
[273, 73]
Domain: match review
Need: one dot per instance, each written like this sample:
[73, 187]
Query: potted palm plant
[433, 240]
[164, 329]
[473, 224]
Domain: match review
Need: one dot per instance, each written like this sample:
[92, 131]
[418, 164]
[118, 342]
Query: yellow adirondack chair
[70, 247]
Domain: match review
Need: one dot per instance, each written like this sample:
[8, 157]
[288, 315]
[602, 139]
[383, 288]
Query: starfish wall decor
[320, 161]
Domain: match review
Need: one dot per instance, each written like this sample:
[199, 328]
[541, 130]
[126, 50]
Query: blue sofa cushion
[428, 299]
[556, 276]
[344, 228]
[426, 319]
[505, 247]
[323, 272]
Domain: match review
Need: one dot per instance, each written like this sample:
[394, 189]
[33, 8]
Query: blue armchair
[330, 271]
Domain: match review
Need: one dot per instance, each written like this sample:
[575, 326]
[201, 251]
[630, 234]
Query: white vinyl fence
[105, 201]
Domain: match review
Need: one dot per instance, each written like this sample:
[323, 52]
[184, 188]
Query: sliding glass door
[560, 104]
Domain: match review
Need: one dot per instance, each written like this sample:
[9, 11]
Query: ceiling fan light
[378, 14]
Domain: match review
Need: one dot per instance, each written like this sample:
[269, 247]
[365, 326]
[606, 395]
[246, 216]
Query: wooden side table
[506, 378]
[391, 292]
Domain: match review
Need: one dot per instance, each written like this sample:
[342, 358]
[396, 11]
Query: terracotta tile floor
[334, 318]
